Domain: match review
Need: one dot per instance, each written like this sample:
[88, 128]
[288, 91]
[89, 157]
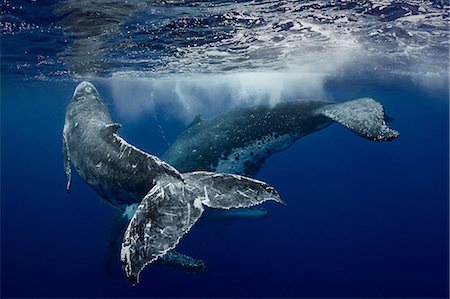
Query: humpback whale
[163, 202]
[240, 141]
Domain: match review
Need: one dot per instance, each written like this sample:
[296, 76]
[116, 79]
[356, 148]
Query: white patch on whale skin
[198, 203]
[130, 210]
[206, 201]
[254, 152]
[125, 254]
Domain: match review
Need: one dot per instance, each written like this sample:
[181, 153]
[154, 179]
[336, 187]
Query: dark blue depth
[362, 219]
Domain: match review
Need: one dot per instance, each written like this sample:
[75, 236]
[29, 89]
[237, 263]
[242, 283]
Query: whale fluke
[172, 207]
[172, 258]
[227, 191]
[364, 117]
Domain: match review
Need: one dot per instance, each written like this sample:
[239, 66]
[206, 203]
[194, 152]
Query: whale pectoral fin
[165, 214]
[66, 160]
[364, 117]
[226, 191]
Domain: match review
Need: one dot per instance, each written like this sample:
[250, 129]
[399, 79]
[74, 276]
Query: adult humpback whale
[240, 141]
[168, 202]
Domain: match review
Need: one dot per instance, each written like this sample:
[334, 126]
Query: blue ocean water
[362, 219]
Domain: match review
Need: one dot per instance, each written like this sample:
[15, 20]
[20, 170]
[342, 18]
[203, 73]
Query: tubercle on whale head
[85, 91]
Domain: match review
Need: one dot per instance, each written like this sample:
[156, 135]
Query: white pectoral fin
[364, 117]
[66, 160]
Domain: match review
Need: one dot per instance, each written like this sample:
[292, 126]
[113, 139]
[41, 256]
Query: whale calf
[163, 202]
[240, 141]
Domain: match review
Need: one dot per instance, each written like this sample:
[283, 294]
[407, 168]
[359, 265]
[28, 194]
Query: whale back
[240, 141]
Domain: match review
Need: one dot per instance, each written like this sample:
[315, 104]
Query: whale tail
[173, 206]
[364, 117]
[173, 259]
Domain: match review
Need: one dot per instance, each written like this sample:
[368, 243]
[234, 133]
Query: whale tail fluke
[173, 259]
[173, 206]
[364, 117]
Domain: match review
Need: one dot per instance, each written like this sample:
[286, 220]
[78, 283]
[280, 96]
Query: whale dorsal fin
[113, 127]
[198, 119]
[364, 117]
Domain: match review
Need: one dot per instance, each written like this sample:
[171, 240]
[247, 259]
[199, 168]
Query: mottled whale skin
[119, 172]
[240, 141]
[167, 203]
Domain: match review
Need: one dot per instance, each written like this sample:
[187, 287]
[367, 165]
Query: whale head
[86, 107]
[85, 91]
[86, 100]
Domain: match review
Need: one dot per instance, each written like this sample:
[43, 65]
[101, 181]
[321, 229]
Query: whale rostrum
[168, 202]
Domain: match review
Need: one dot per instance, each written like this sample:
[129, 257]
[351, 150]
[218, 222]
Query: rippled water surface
[106, 38]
